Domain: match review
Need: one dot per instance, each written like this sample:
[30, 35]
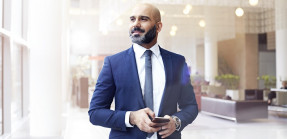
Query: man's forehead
[146, 10]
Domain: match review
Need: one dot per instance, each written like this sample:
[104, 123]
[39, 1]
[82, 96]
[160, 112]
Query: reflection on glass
[16, 100]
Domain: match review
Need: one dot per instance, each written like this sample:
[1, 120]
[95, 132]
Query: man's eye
[132, 19]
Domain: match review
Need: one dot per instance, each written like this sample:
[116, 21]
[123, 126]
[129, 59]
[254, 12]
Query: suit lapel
[168, 75]
[130, 59]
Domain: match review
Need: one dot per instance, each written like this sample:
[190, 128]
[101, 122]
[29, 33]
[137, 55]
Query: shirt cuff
[127, 119]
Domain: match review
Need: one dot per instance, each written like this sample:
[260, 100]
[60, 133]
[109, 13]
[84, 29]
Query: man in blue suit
[145, 82]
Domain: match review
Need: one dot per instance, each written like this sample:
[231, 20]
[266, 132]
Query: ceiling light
[172, 33]
[185, 11]
[253, 2]
[239, 12]
[174, 28]
[188, 6]
[202, 23]
[162, 13]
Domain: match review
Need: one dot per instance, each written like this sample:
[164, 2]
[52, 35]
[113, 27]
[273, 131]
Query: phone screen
[160, 120]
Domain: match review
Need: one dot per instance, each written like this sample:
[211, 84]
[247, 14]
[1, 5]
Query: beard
[144, 39]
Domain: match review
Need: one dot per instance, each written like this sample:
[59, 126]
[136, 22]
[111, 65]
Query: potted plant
[231, 83]
[269, 81]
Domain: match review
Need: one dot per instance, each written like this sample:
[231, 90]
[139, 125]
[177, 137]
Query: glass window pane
[1, 11]
[16, 100]
[16, 18]
[1, 88]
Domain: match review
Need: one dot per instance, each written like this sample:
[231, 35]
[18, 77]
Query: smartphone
[160, 120]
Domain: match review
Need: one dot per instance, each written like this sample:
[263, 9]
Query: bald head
[145, 24]
[154, 11]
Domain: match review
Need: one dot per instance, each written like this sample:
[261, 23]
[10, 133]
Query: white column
[210, 45]
[65, 53]
[281, 40]
[94, 69]
[45, 38]
[210, 53]
[193, 56]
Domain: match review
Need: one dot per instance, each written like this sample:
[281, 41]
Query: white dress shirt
[158, 77]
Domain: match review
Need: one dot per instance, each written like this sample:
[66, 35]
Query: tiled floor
[204, 127]
[208, 127]
[79, 126]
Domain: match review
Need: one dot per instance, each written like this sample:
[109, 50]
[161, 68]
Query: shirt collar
[139, 50]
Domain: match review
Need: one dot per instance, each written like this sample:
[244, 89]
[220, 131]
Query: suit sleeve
[99, 112]
[187, 103]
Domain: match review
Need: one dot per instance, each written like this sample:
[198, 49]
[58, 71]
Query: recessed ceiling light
[253, 2]
[172, 33]
[202, 23]
[174, 28]
[239, 12]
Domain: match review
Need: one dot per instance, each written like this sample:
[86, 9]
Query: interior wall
[241, 54]
[232, 51]
[252, 62]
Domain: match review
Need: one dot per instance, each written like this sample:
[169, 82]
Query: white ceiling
[89, 18]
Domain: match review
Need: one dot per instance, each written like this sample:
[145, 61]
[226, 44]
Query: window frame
[9, 39]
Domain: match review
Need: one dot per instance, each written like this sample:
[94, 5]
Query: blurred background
[51, 53]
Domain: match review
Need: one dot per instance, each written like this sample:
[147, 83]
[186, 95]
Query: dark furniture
[253, 94]
[83, 92]
[197, 92]
[234, 110]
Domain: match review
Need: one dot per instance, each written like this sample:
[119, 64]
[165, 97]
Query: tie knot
[148, 53]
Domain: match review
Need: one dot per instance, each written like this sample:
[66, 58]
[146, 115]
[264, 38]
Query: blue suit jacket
[119, 80]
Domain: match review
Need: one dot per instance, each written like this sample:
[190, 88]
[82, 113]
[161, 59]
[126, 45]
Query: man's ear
[158, 27]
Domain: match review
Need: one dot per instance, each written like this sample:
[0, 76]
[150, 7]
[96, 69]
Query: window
[1, 67]
[17, 91]
[1, 83]
[16, 17]
[12, 60]
[1, 15]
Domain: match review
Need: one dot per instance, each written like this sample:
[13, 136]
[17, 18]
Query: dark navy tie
[148, 89]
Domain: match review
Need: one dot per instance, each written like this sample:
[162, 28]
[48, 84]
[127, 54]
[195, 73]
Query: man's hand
[168, 129]
[142, 120]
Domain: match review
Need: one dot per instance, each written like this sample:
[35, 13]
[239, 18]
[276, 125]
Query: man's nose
[137, 23]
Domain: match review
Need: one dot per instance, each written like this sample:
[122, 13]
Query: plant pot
[265, 94]
[234, 94]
